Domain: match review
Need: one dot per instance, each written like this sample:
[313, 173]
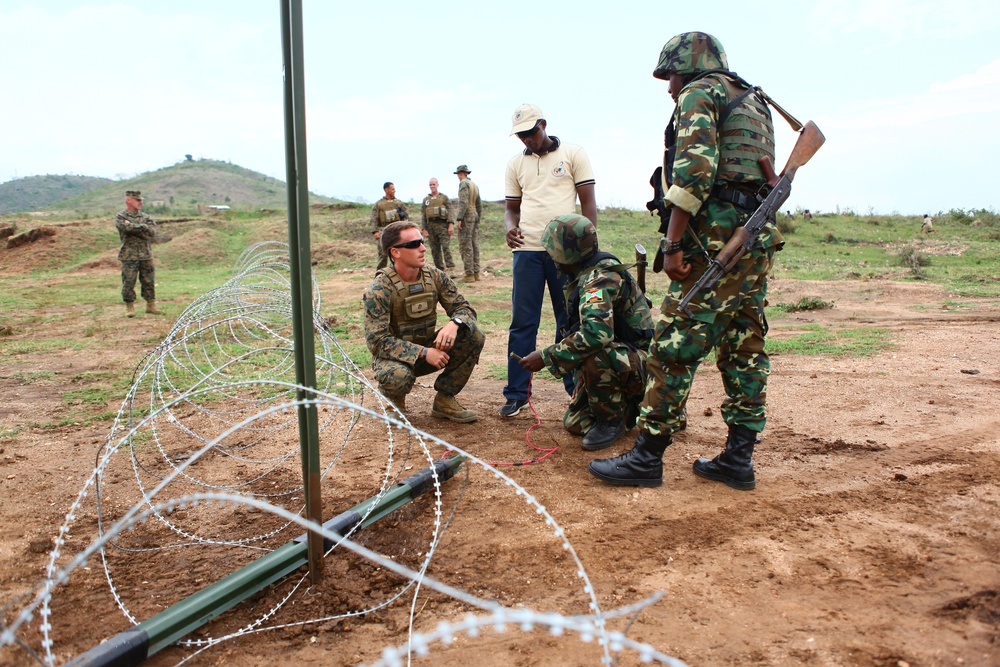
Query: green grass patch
[827, 341]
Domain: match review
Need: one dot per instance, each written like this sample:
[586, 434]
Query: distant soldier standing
[927, 226]
[136, 231]
[470, 209]
[438, 227]
[385, 211]
[401, 326]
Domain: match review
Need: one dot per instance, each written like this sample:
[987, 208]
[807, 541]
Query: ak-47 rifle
[809, 141]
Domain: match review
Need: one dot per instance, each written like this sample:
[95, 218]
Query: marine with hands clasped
[720, 128]
[438, 227]
[136, 231]
[604, 346]
[401, 326]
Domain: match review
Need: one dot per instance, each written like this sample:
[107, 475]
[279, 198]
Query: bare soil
[872, 537]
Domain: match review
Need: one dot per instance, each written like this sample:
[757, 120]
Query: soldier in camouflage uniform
[470, 209]
[605, 346]
[438, 227]
[136, 231]
[401, 326]
[385, 211]
[720, 128]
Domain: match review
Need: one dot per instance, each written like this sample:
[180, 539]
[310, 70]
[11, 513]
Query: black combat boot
[734, 466]
[603, 434]
[642, 466]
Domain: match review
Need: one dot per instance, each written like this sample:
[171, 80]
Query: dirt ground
[873, 537]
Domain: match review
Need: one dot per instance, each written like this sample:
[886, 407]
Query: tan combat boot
[151, 308]
[129, 309]
[476, 276]
[469, 278]
[398, 402]
[446, 407]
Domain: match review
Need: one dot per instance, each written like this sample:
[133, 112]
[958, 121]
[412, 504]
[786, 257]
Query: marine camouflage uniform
[136, 231]
[730, 315]
[385, 211]
[396, 361]
[436, 225]
[470, 209]
[609, 374]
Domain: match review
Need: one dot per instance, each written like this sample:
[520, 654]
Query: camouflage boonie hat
[570, 239]
[689, 53]
[463, 168]
[134, 194]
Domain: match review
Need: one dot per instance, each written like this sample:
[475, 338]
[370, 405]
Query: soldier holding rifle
[713, 181]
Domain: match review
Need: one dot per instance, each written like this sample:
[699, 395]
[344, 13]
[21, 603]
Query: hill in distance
[34, 193]
[180, 189]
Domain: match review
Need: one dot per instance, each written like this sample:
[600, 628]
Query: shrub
[805, 303]
[914, 260]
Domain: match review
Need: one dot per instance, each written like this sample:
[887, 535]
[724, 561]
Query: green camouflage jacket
[696, 165]
[136, 231]
[468, 200]
[600, 289]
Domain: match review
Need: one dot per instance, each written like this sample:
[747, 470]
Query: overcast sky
[906, 91]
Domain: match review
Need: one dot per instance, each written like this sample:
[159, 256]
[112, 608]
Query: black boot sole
[625, 482]
[728, 481]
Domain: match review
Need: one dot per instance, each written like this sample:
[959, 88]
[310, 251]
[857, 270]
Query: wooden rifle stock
[809, 141]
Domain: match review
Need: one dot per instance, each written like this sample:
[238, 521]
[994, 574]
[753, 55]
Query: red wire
[527, 437]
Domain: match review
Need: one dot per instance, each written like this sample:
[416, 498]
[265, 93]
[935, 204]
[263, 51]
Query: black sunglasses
[528, 133]
[410, 245]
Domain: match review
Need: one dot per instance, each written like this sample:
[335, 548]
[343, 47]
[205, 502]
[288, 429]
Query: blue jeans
[533, 270]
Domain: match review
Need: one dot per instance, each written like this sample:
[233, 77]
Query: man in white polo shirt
[542, 182]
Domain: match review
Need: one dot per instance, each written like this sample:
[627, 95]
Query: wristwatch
[458, 321]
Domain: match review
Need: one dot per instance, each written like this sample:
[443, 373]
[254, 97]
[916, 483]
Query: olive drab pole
[301, 270]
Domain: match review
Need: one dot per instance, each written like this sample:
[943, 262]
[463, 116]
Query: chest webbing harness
[747, 110]
[625, 331]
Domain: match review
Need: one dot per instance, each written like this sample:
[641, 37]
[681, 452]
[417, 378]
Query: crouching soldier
[609, 330]
[401, 326]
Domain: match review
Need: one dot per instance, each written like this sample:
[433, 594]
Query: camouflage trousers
[383, 259]
[468, 243]
[729, 318]
[440, 242]
[143, 269]
[609, 386]
[397, 377]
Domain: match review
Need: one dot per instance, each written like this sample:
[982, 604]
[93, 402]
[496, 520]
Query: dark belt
[741, 200]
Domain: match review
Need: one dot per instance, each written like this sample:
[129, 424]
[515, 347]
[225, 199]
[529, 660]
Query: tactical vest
[413, 307]
[630, 325]
[388, 211]
[746, 110]
[435, 207]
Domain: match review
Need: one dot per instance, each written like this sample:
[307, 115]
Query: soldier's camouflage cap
[463, 168]
[569, 238]
[689, 53]
[134, 194]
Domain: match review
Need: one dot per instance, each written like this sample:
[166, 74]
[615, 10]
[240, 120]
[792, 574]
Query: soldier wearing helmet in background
[720, 127]
[604, 347]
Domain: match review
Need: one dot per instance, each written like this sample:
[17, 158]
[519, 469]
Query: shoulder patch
[593, 295]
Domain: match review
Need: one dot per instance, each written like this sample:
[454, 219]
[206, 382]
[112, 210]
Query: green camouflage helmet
[570, 239]
[690, 53]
